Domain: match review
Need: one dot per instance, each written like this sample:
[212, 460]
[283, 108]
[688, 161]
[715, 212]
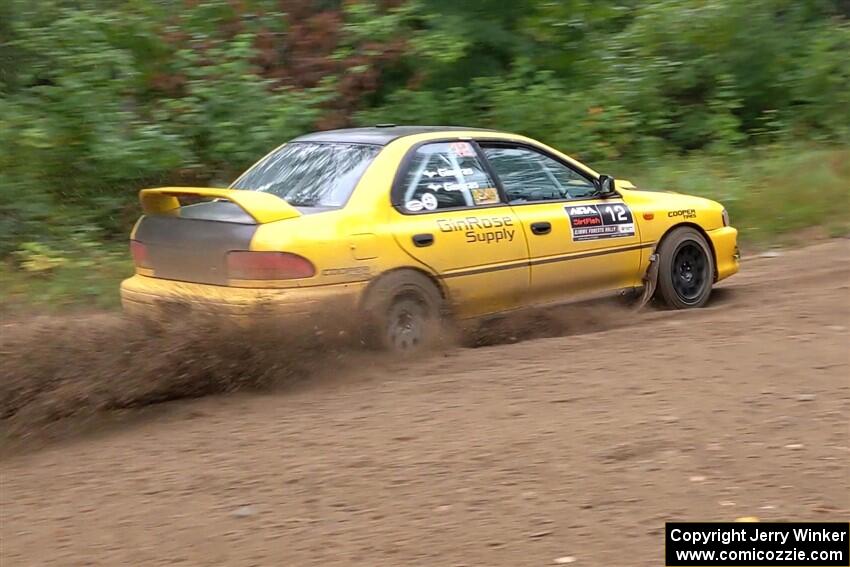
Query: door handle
[421, 240]
[541, 227]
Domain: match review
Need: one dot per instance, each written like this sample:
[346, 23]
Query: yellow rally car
[400, 226]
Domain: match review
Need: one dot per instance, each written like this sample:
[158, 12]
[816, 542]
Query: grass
[771, 194]
[83, 279]
[774, 195]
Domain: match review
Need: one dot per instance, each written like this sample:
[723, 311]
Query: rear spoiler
[263, 207]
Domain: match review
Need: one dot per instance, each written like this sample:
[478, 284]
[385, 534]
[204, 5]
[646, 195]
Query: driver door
[578, 243]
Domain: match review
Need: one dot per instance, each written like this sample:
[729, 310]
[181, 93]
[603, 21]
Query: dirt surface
[573, 448]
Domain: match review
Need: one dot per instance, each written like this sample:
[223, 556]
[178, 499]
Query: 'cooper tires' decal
[592, 222]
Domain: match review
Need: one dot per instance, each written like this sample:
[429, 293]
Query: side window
[445, 175]
[530, 176]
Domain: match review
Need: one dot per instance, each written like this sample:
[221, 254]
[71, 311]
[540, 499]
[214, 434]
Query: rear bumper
[156, 298]
[725, 243]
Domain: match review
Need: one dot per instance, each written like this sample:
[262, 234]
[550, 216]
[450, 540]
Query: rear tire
[403, 313]
[686, 269]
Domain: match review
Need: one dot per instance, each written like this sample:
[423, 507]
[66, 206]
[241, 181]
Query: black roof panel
[378, 135]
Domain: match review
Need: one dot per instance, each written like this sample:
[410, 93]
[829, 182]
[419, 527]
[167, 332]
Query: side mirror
[605, 186]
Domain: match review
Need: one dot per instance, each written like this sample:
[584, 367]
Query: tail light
[140, 254]
[246, 265]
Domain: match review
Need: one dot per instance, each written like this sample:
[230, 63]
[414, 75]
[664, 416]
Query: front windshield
[310, 174]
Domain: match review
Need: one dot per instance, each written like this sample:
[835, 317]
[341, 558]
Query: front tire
[403, 313]
[686, 269]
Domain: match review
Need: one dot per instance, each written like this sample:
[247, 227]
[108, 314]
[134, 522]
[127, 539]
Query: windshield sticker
[429, 201]
[413, 205]
[485, 196]
[592, 222]
[446, 172]
[462, 149]
[453, 186]
[467, 171]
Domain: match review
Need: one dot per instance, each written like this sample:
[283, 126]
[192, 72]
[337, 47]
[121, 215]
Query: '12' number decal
[616, 212]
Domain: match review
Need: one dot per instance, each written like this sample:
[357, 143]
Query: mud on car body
[401, 225]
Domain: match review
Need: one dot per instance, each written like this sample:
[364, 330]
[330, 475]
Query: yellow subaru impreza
[401, 226]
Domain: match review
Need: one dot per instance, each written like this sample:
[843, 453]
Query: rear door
[578, 244]
[449, 215]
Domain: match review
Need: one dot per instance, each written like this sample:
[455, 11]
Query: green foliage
[230, 115]
[101, 98]
[83, 273]
[610, 78]
[83, 125]
[770, 192]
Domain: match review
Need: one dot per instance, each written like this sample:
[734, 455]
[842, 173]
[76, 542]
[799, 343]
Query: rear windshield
[310, 174]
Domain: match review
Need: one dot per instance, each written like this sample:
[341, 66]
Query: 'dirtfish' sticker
[592, 222]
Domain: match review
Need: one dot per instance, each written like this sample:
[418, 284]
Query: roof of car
[381, 134]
